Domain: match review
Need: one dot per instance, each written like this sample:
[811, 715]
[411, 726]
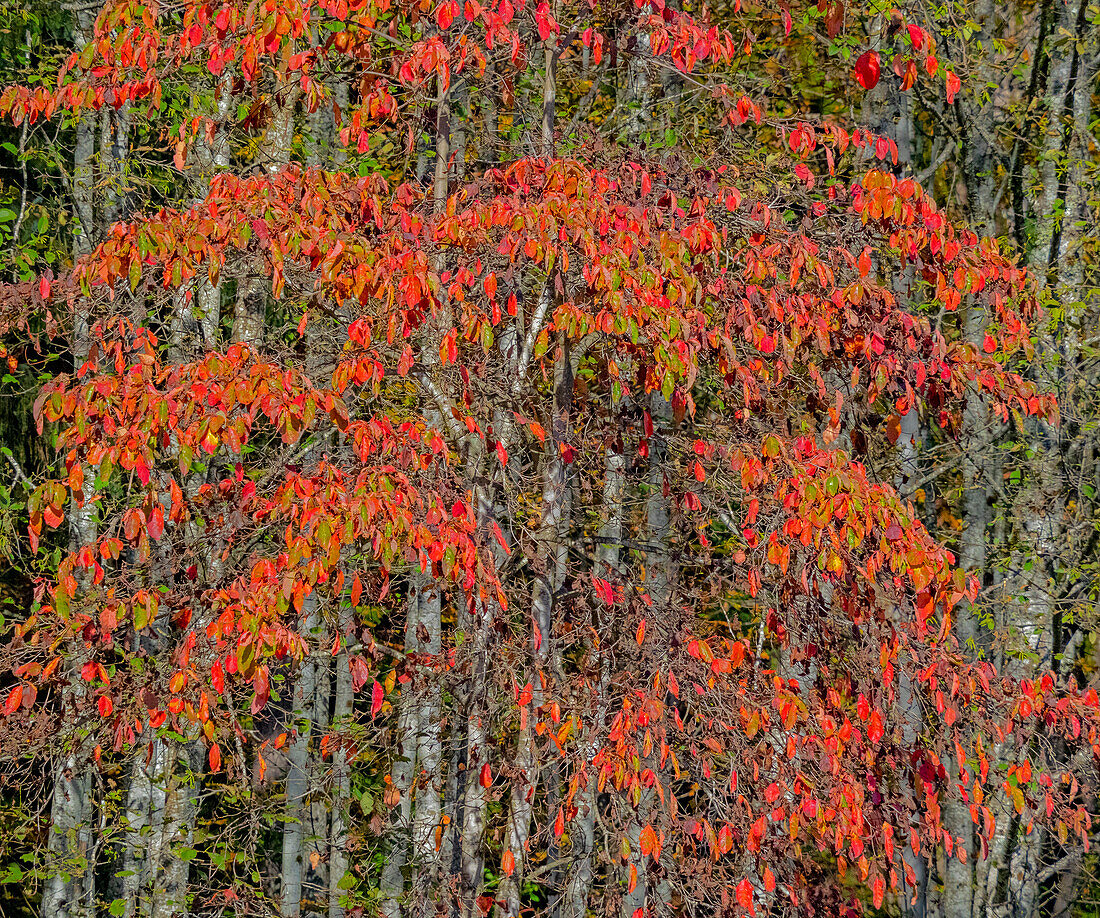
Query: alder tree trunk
[69, 890]
[295, 849]
[342, 710]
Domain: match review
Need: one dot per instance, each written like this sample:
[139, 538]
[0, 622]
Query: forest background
[520, 458]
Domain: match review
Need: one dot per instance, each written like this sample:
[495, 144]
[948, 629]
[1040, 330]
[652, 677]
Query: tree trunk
[295, 851]
[341, 775]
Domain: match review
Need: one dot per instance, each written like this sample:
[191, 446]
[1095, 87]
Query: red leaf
[376, 694]
[744, 895]
[640, 636]
[215, 758]
[106, 706]
[867, 69]
[954, 84]
[875, 733]
[15, 698]
[359, 672]
[486, 779]
[604, 590]
[547, 24]
[445, 15]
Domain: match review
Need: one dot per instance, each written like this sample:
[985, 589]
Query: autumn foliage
[624, 420]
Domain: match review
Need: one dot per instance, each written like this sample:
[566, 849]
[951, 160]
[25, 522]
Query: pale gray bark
[70, 887]
[169, 897]
[658, 584]
[200, 315]
[551, 560]
[250, 306]
[429, 748]
[295, 851]
[392, 880]
[161, 804]
[341, 775]
[581, 876]
[316, 883]
[549, 97]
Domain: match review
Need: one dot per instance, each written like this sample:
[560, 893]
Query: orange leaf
[215, 758]
[508, 863]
